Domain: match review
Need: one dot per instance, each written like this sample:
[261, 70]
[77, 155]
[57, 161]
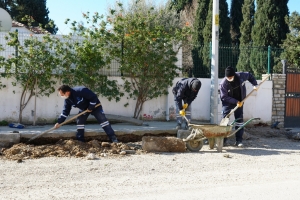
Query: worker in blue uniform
[84, 99]
[185, 91]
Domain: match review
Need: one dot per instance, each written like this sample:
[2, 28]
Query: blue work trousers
[238, 114]
[98, 113]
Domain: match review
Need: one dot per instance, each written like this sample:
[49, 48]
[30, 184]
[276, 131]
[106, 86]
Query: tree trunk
[24, 102]
[138, 107]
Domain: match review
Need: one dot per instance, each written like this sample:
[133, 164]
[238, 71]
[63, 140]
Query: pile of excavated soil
[95, 149]
[70, 148]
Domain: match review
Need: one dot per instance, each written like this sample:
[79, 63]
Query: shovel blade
[224, 121]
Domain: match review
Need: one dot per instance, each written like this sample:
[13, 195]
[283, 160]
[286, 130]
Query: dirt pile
[70, 148]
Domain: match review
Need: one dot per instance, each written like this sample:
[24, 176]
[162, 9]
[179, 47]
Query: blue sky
[72, 9]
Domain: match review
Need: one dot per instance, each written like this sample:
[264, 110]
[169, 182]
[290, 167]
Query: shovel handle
[236, 107]
[65, 122]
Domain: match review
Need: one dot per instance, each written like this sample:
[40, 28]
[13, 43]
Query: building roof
[34, 29]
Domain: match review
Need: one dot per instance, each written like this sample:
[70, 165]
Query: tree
[268, 30]
[36, 10]
[90, 56]
[198, 40]
[5, 4]
[179, 5]
[224, 35]
[248, 11]
[236, 17]
[34, 68]
[148, 50]
[291, 44]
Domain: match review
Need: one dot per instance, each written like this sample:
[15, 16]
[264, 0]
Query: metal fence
[257, 60]
[195, 60]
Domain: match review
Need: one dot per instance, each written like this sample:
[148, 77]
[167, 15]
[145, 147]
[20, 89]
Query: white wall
[49, 108]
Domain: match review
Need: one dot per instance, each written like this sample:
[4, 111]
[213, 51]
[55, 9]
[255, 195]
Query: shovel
[225, 121]
[65, 122]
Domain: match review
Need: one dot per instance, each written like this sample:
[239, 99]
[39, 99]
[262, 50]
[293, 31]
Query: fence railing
[258, 60]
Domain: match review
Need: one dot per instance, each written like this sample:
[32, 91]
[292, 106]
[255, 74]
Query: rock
[91, 156]
[183, 133]
[103, 155]
[227, 156]
[9, 139]
[123, 153]
[129, 151]
[105, 144]
[162, 144]
[292, 135]
[95, 144]
[114, 151]
[15, 151]
[79, 154]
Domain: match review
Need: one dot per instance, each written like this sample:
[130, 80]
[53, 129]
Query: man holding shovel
[86, 100]
[185, 91]
[232, 93]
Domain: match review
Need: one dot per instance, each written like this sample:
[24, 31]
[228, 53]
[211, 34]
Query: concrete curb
[9, 139]
[125, 132]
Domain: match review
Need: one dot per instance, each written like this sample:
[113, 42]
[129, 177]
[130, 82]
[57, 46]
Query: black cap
[229, 71]
[196, 85]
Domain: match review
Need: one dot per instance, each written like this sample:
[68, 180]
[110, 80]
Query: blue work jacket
[80, 97]
[226, 89]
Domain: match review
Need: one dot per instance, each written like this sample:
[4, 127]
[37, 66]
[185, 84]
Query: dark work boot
[225, 142]
[114, 139]
[178, 127]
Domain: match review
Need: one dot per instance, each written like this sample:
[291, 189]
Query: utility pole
[214, 64]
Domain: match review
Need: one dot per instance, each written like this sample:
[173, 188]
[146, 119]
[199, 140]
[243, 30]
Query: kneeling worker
[185, 91]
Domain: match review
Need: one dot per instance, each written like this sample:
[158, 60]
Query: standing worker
[232, 92]
[185, 91]
[84, 99]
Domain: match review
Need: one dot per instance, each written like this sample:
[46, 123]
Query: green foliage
[270, 29]
[198, 39]
[2, 61]
[244, 59]
[236, 17]
[3, 123]
[148, 50]
[248, 11]
[37, 11]
[224, 33]
[179, 5]
[33, 67]
[259, 60]
[91, 55]
[5, 4]
[292, 43]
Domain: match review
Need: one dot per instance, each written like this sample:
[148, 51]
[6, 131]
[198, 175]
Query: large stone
[9, 139]
[162, 144]
[183, 134]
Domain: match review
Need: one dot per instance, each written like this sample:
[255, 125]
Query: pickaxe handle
[65, 122]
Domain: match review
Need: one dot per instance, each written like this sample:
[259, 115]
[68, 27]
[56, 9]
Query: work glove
[185, 106]
[239, 104]
[182, 112]
[255, 87]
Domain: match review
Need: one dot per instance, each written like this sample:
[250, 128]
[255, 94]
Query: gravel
[267, 168]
